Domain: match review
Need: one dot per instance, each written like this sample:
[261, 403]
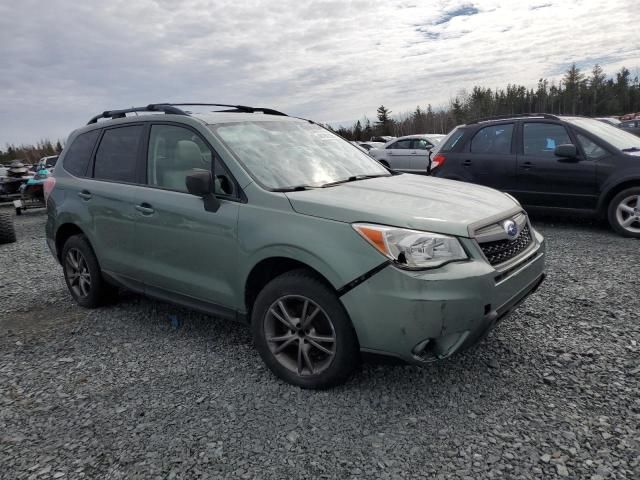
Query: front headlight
[412, 249]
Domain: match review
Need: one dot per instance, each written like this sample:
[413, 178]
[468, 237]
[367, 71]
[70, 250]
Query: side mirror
[200, 184]
[567, 151]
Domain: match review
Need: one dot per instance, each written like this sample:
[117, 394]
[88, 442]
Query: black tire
[334, 368]
[7, 232]
[99, 292]
[631, 199]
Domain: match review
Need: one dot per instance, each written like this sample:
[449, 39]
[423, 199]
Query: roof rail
[172, 108]
[515, 115]
[239, 108]
[160, 107]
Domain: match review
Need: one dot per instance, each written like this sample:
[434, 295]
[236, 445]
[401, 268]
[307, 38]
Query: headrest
[188, 154]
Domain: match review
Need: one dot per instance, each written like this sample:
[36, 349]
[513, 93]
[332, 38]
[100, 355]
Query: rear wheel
[303, 333]
[7, 232]
[82, 273]
[624, 212]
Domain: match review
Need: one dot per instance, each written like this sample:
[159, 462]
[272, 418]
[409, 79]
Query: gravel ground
[121, 392]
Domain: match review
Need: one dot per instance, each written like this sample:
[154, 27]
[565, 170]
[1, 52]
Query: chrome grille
[501, 251]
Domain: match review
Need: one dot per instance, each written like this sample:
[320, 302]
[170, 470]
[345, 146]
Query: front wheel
[624, 212]
[303, 333]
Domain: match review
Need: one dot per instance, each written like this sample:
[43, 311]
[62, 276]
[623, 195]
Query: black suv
[571, 163]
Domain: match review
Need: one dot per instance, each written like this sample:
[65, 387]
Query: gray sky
[333, 61]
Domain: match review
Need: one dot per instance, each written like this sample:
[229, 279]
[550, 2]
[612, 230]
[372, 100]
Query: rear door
[547, 180]
[490, 157]
[109, 195]
[399, 156]
[185, 250]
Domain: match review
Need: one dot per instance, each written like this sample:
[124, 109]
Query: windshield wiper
[353, 178]
[295, 188]
[631, 149]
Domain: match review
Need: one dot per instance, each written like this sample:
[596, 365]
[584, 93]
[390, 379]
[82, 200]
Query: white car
[408, 154]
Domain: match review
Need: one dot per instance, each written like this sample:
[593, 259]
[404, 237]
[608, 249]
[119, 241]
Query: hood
[408, 201]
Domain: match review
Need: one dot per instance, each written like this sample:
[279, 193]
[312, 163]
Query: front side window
[542, 138]
[77, 157]
[173, 153]
[495, 139]
[592, 150]
[117, 154]
[421, 144]
[289, 154]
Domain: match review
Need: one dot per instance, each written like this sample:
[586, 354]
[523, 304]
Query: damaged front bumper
[425, 316]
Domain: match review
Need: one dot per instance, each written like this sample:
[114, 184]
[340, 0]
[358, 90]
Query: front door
[186, 251]
[545, 179]
[420, 148]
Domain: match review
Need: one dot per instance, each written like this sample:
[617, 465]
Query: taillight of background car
[47, 187]
[438, 161]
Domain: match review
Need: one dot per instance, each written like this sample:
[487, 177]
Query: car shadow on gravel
[475, 369]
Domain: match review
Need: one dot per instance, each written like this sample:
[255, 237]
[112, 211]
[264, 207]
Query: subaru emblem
[511, 229]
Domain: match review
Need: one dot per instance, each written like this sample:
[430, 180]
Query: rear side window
[452, 140]
[543, 138]
[495, 139]
[117, 154]
[78, 155]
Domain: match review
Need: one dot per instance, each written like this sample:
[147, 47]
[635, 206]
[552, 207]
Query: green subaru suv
[251, 215]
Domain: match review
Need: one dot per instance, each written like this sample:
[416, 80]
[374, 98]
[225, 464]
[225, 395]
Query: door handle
[466, 163]
[527, 165]
[84, 194]
[414, 153]
[145, 209]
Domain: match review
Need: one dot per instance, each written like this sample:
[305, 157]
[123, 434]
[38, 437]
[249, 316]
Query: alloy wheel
[300, 335]
[628, 213]
[78, 273]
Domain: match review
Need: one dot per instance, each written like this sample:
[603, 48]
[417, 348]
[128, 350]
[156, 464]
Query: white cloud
[329, 60]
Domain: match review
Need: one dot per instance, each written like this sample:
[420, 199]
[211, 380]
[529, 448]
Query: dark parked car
[550, 161]
[631, 126]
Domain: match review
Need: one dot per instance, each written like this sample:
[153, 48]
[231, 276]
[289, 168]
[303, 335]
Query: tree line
[30, 153]
[592, 94]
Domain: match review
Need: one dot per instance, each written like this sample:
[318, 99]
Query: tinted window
[543, 138]
[591, 149]
[77, 157]
[494, 139]
[401, 144]
[628, 124]
[117, 153]
[452, 140]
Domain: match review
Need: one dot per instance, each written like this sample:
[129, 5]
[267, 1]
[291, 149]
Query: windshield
[613, 135]
[285, 154]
